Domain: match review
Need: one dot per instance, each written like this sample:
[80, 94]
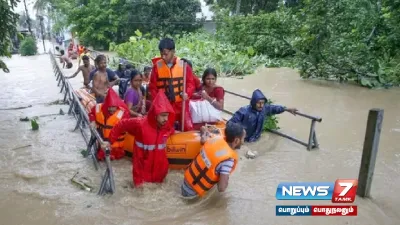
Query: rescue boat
[181, 148]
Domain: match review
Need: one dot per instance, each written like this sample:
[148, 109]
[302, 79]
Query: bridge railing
[83, 124]
[312, 138]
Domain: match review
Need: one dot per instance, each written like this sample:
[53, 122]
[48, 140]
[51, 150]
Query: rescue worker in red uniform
[150, 163]
[104, 116]
[167, 75]
[216, 161]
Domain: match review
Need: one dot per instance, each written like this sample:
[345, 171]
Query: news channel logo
[340, 191]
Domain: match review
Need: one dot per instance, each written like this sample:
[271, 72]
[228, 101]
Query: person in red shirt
[149, 161]
[196, 80]
[210, 92]
[167, 75]
[104, 116]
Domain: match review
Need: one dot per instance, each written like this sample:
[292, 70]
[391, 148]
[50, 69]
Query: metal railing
[312, 138]
[78, 111]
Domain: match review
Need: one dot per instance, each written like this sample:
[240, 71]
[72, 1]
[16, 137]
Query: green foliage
[271, 123]
[8, 23]
[100, 22]
[343, 40]
[28, 46]
[246, 6]
[267, 33]
[160, 18]
[201, 48]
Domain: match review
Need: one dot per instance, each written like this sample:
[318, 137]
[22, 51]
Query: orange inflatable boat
[182, 147]
[88, 100]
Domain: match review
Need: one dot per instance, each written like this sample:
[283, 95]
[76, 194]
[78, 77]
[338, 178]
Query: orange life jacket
[170, 79]
[106, 126]
[201, 174]
[80, 50]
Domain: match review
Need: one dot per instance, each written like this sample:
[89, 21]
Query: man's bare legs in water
[100, 79]
[86, 68]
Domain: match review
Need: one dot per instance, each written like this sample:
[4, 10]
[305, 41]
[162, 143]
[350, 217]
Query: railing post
[59, 80]
[66, 93]
[71, 106]
[63, 85]
[316, 145]
[370, 150]
[311, 136]
[78, 123]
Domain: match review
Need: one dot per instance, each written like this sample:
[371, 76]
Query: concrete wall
[210, 26]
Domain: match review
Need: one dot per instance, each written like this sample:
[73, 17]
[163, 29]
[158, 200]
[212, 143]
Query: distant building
[209, 24]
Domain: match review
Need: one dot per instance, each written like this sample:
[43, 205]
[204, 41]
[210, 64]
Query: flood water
[36, 166]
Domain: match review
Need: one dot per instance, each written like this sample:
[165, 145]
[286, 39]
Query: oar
[183, 93]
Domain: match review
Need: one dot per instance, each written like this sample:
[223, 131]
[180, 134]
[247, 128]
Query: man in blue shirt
[252, 116]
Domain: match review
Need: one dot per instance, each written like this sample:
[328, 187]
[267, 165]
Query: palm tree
[42, 6]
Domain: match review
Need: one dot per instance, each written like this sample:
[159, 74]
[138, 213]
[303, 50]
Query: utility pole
[41, 29]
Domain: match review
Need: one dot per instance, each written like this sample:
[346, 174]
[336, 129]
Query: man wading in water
[101, 78]
[86, 68]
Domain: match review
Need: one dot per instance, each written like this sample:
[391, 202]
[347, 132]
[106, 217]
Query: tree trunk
[28, 20]
[238, 3]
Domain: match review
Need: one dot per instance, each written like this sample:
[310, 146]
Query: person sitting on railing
[104, 117]
[103, 78]
[134, 98]
[252, 116]
[86, 52]
[167, 75]
[65, 60]
[70, 49]
[149, 161]
[80, 50]
[86, 68]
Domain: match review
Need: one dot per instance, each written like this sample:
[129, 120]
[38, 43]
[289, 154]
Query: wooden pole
[370, 150]
[183, 100]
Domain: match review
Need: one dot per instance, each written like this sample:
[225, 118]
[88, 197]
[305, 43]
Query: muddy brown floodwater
[35, 183]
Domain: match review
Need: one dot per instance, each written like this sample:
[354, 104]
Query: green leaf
[138, 33]
[34, 124]
[250, 51]
[365, 82]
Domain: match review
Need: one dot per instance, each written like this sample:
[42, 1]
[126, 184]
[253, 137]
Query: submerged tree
[8, 29]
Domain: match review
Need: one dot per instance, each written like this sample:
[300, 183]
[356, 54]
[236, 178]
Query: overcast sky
[20, 8]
